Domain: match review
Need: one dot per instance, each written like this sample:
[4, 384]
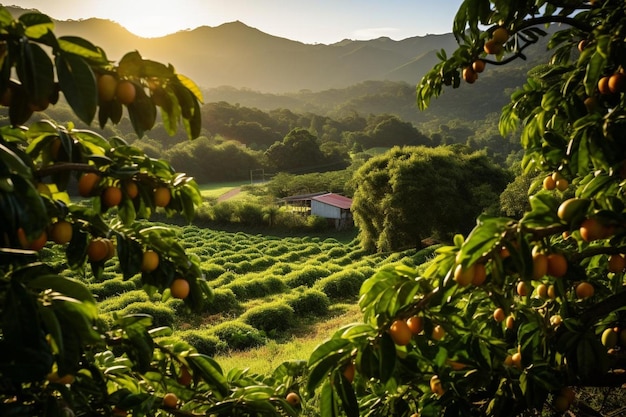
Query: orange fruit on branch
[125, 92]
[149, 261]
[438, 332]
[478, 66]
[500, 35]
[293, 399]
[540, 265]
[179, 288]
[131, 189]
[400, 332]
[61, 232]
[549, 183]
[112, 196]
[557, 265]
[584, 290]
[492, 47]
[87, 184]
[170, 400]
[416, 324]
[464, 275]
[107, 84]
[39, 243]
[469, 75]
[617, 263]
[617, 83]
[349, 371]
[97, 250]
[162, 196]
[499, 315]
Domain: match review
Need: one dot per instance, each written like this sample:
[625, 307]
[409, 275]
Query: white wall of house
[325, 210]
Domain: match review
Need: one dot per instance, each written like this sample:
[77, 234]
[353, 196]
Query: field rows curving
[265, 287]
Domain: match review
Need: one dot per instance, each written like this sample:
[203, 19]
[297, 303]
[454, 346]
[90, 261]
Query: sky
[308, 21]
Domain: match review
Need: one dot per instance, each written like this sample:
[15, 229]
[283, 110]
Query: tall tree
[298, 152]
[411, 193]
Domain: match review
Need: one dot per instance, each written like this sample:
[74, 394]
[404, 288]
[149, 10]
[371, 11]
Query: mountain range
[234, 54]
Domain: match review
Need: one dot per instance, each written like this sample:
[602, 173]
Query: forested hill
[237, 55]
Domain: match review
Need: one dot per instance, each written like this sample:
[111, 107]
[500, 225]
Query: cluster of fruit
[403, 330]
[110, 88]
[493, 46]
[111, 193]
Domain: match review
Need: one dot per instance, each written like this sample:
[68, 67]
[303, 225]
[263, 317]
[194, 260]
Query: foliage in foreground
[58, 356]
[507, 320]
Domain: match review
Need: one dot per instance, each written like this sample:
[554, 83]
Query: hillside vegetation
[266, 288]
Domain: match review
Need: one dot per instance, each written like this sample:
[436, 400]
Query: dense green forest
[237, 139]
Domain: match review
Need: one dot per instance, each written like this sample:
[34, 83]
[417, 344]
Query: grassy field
[276, 298]
[264, 359]
[214, 190]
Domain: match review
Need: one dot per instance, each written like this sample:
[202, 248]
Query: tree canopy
[411, 193]
[520, 315]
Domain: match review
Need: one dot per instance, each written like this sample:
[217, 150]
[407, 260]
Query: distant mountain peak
[238, 55]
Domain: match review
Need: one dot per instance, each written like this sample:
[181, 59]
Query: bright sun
[148, 18]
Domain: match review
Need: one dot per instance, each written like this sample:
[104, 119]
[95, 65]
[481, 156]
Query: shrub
[112, 287]
[222, 212]
[212, 271]
[261, 263]
[277, 250]
[224, 301]
[307, 276]
[336, 252]
[281, 268]
[122, 301]
[250, 214]
[161, 314]
[270, 318]
[318, 223]
[341, 285]
[224, 279]
[238, 335]
[309, 302]
[204, 342]
[246, 287]
[243, 267]
[273, 284]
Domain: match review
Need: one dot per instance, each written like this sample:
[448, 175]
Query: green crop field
[273, 297]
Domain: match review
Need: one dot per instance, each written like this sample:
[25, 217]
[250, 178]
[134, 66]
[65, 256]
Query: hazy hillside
[234, 54]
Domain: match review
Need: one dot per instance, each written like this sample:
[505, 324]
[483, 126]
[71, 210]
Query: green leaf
[210, 371]
[386, 357]
[346, 394]
[83, 48]
[191, 86]
[328, 348]
[142, 112]
[67, 286]
[5, 16]
[321, 370]
[193, 124]
[483, 238]
[78, 84]
[36, 24]
[80, 316]
[328, 406]
[595, 68]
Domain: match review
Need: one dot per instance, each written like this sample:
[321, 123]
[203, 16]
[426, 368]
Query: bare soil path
[229, 194]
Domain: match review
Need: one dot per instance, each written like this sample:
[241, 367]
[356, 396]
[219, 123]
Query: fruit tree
[57, 357]
[523, 312]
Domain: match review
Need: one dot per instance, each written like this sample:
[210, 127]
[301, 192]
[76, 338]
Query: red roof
[334, 200]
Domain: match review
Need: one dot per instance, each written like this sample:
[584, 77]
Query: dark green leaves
[78, 84]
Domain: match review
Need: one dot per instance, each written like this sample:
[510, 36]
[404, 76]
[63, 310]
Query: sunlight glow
[147, 18]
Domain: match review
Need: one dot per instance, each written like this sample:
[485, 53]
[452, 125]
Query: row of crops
[264, 286]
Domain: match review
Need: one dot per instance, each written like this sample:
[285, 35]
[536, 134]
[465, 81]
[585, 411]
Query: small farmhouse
[334, 207]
